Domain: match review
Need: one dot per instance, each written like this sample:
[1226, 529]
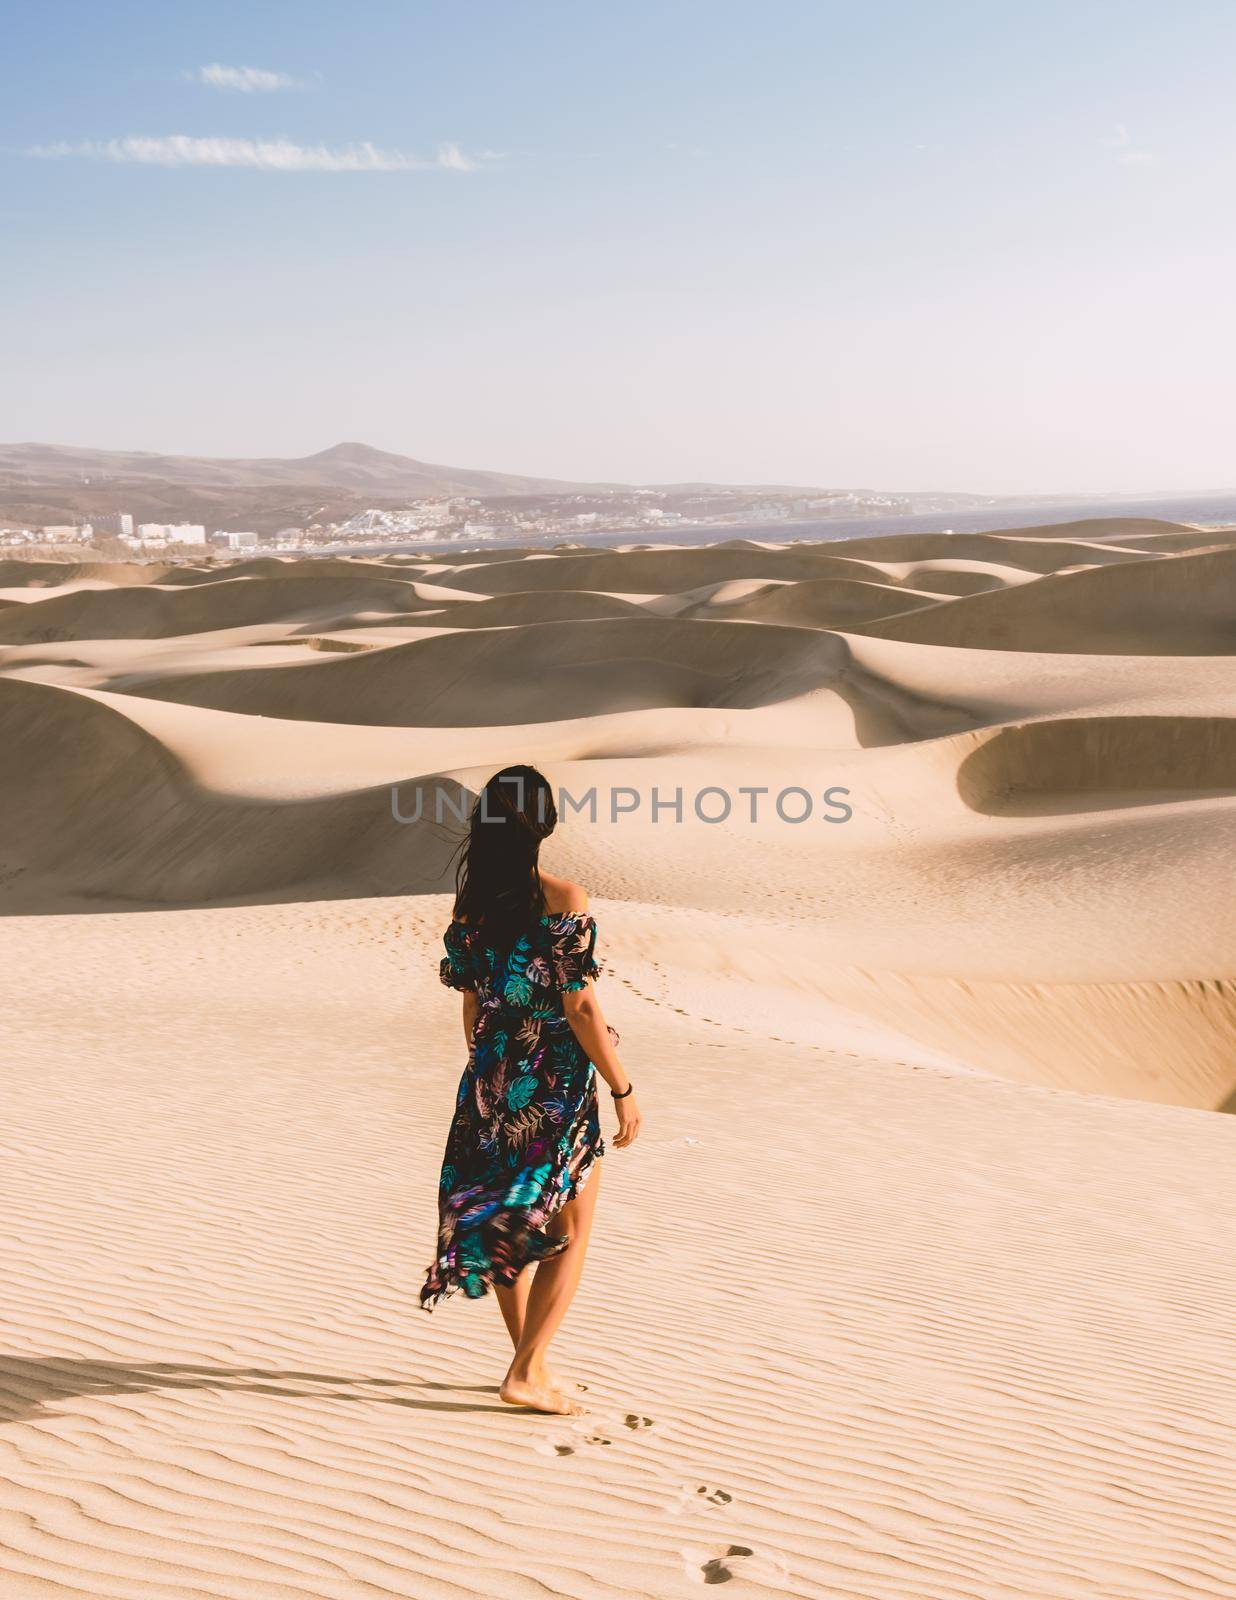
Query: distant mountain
[343, 466]
[46, 484]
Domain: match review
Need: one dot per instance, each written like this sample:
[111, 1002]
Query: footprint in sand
[591, 1440]
[698, 1497]
[636, 1423]
[720, 1565]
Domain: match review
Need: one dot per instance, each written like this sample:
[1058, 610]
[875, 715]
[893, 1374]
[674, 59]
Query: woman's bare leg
[513, 1300]
[553, 1288]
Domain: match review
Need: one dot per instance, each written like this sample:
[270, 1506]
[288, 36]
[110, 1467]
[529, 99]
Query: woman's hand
[628, 1121]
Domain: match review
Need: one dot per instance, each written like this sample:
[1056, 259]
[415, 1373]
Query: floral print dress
[526, 1130]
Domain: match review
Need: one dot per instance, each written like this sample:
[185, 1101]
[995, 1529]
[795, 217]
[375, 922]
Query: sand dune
[107, 812]
[533, 673]
[1164, 544]
[156, 612]
[657, 571]
[953, 577]
[1026, 551]
[812, 603]
[509, 610]
[1174, 605]
[1094, 760]
[59, 574]
[931, 1154]
[1089, 529]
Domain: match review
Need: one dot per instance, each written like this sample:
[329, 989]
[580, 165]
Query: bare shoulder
[563, 895]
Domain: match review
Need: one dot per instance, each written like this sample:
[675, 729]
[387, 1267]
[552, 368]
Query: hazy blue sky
[953, 245]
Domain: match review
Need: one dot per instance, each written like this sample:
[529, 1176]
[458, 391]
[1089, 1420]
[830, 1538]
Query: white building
[117, 523]
[171, 532]
[241, 541]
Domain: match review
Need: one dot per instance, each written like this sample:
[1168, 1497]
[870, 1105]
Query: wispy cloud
[246, 80]
[1128, 151]
[261, 155]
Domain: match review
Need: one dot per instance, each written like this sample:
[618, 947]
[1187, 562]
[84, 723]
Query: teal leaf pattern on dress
[521, 1091]
[528, 1185]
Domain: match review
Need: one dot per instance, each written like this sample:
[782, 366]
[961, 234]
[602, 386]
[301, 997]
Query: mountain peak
[351, 451]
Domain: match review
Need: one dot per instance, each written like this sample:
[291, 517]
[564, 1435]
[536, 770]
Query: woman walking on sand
[522, 1163]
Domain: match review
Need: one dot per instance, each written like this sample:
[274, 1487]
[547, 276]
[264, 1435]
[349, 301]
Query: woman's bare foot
[556, 1381]
[537, 1392]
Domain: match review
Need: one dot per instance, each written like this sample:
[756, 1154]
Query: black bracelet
[624, 1093]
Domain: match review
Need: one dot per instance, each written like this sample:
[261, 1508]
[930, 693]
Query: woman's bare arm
[583, 1011]
[471, 1010]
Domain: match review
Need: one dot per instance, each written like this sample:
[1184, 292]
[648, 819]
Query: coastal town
[457, 518]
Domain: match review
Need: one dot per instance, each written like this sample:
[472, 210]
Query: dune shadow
[101, 816]
[1077, 764]
[30, 1386]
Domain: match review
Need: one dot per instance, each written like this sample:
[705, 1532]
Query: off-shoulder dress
[526, 1130]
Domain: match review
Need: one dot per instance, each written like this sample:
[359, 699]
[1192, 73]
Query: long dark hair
[498, 880]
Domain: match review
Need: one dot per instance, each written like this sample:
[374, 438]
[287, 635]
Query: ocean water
[1208, 510]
